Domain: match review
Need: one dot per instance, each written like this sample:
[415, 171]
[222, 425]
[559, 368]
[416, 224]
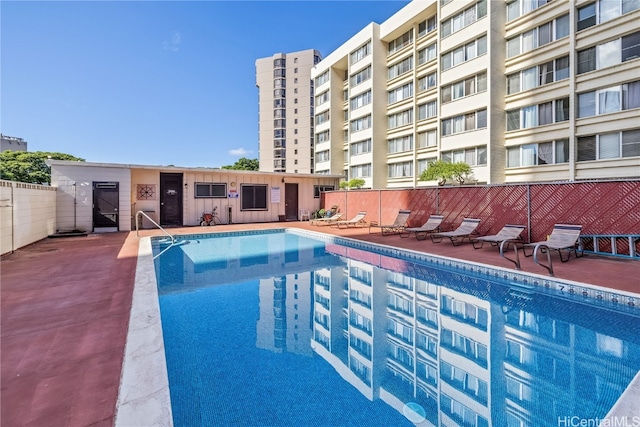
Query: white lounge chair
[398, 225]
[431, 226]
[508, 232]
[356, 221]
[327, 220]
[457, 236]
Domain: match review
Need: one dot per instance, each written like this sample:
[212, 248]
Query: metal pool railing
[141, 213]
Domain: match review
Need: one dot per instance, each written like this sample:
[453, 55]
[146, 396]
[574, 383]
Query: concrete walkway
[65, 313]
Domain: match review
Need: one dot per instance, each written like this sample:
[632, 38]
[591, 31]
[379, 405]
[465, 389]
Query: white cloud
[173, 45]
[239, 152]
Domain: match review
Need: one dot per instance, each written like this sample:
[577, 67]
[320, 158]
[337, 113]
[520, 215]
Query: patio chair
[398, 225]
[356, 221]
[457, 236]
[327, 220]
[563, 237]
[508, 232]
[431, 226]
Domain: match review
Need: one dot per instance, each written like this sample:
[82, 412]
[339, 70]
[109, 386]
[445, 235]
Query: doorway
[106, 197]
[171, 199]
[291, 202]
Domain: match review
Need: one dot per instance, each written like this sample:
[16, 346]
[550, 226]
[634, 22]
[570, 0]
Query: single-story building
[108, 196]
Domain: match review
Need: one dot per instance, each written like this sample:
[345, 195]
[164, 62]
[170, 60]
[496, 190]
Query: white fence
[27, 214]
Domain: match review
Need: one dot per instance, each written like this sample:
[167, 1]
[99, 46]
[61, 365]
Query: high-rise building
[12, 143]
[285, 91]
[520, 90]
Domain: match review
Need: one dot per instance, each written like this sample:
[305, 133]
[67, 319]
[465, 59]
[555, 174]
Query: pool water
[281, 329]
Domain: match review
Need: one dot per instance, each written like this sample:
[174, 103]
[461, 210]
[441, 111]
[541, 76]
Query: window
[401, 169]
[361, 76]
[361, 53]
[360, 171]
[609, 145]
[427, 54]
[427, 82]
[538, 115]
[427, 26]
[400, 144]
[322, 136]
[323, 156]
[610, 53]
[517, 8]
[322, 78]
[539, 36]
[360, 147]
[467, 87]
[400, 119]
[322, 98]
[609, 100]
[317, 189]
[427, 110]
[400, 93]
[464, 53]
[210, 190]
[545, 153]
[361, 100]
[253, 197]
[361, 123]
[404, 40]
[427, 139]
[603, 11]
[465, 122]
[464, 18]
[322, 117]
[475, 156]
[400, 68]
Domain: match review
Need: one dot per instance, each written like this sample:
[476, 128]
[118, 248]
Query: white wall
[27, 214]
[75, 194]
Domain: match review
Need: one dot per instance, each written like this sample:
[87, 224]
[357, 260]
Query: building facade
[12, 143]
[520, 90]
[285, 119]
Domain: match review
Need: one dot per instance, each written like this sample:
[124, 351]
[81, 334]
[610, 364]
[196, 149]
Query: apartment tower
[520, 90]
[285, 111]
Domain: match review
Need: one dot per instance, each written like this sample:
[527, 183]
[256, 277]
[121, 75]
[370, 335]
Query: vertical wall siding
[611, 207]
[27, 214]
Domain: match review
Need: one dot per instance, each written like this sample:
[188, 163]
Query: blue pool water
[281, 329]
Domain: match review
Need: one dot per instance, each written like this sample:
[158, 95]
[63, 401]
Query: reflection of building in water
[285, 313]
[439, 341]
[555, 369]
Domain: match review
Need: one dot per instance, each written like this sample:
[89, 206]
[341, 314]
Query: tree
[30, 166]
[442, 171]
[352, 183]
[244, 164]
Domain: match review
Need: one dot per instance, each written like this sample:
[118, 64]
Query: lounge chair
[508, 232]
[356, 221]
[563, 237]
[398, 225]
[457, 236]
[327, 220]
[431, 226]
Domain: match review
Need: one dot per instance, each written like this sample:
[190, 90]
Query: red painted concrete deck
[65, 313]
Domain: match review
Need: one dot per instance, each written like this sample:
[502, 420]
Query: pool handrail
[142, 213]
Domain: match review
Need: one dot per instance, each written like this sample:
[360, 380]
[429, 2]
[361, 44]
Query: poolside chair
[398, 225]
[327, 220]
[508, 232]
[563, 237]
[457, 236]
[431, 226]
[356, 221]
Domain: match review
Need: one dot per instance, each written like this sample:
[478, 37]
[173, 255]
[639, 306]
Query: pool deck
[65, 306]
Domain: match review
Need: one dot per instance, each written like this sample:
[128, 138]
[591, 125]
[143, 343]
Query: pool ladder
[141, 213]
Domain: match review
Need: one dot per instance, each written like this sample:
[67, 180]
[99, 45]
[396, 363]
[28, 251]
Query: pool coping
[144, 397]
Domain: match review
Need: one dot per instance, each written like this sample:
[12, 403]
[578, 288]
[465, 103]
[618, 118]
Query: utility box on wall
[229, 214]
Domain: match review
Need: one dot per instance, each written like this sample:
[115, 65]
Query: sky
[155, 82]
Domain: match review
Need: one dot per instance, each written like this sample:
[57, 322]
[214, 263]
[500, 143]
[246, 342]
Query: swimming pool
[285, 328]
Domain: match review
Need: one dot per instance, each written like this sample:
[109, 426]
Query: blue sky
[155, 83]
